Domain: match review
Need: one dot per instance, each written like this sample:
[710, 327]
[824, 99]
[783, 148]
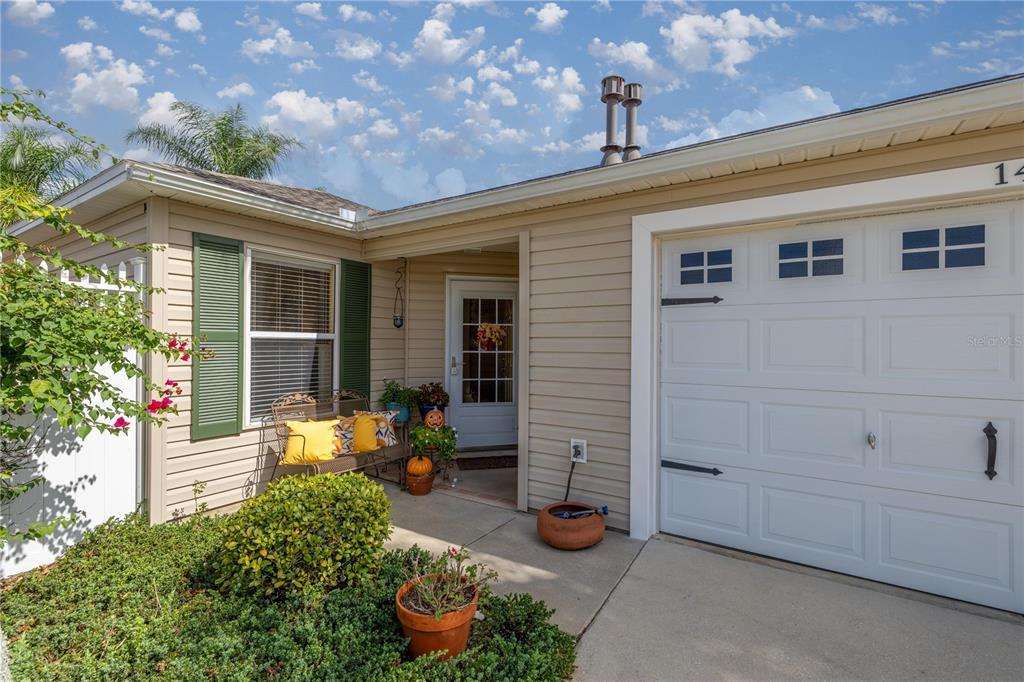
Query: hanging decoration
[398, 310]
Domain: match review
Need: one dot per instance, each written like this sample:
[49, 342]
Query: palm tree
[36, 161]
[220, 142]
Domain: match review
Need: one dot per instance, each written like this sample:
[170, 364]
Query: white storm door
[481, 374]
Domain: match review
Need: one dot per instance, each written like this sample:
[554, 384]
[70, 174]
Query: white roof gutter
[102, 182]
[835, 129]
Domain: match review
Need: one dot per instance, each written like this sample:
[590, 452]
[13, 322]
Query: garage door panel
[961, 548]
[966, 347]
[923, 444]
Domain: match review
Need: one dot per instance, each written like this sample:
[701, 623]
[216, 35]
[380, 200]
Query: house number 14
[1001, 171]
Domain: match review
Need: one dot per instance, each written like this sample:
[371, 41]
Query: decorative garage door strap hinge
[690, 301]
[690, 467]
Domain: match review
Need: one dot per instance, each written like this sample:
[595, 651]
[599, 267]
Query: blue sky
[400, 102]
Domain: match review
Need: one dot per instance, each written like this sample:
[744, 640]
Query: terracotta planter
[569, 533]
[426, 634]
[419, 485]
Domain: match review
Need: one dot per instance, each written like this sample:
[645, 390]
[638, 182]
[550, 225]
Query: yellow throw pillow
[309, 442]
[365, 433]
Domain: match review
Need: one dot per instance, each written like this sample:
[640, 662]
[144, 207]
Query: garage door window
[699, 267]
[952, 247]
[815, 258]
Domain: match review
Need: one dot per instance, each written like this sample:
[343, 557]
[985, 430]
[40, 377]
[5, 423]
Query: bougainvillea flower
[186, 357]
[153, 407]
[121, 423]
[173, 343]
[165, 403]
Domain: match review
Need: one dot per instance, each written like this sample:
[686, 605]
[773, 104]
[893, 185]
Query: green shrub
[305, 532]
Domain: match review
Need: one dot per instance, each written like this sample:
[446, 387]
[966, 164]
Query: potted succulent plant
[427, 445]
[437, 604]
[431, 396]
[397, 398]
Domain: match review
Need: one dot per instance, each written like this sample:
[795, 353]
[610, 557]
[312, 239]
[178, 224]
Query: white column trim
[969, 183]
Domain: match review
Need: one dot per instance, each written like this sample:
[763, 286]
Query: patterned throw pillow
[344, 437]
[385, 434]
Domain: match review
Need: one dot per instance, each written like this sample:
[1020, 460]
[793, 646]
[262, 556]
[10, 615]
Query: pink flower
[121, 423]
[153, 407]
[170, 382]
[165, 403]
[186, 357]
[173, 343]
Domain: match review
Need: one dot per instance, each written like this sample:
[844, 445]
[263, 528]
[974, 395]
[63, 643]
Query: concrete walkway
[685, 613]
[575, 584]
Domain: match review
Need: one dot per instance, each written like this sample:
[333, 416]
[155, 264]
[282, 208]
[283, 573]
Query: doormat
[499, 462]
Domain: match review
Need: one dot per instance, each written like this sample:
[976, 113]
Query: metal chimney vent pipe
[633, 98]
[611, 95]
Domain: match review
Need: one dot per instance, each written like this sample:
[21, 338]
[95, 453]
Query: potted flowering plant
[488, 336]
[437, 604]
[428, 443]
[431, 396]
[397, 398]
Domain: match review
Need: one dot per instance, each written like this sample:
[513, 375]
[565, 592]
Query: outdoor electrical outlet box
[578, 450]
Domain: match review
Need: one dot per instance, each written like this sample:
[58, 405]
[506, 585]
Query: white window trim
[946, 187]
[285, 256]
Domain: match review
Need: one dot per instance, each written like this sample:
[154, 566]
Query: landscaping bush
[305, 532]
[126, 605]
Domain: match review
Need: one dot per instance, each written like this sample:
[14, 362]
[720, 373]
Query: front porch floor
[575, 584]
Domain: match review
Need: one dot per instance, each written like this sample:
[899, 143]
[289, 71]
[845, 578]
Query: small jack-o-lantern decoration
[434, 419]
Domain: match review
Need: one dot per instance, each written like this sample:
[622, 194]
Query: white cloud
[383, 127]
[356, 47]
[565, 86]
[28, 12]
[632, 54]
[102, 81]
[435, 41]
[198, 68]
[316, 116]
[450, 182]
[881, 15]
[158, 110]
[772, 110]
[188, 20]
[15, 55]
[602, 6]
[701, 42]
[365, 79]
[303, 66]
[351, 13]
[490, 72]
[155, 33]
[549, 17]
[672, 125]
[445, 88]
[479, 58]
[165, 50]
[450, 143]
[585, 144]
[236, 91]
[85, 55]
[87, 23]
[142, 154]
[281, 42]
[144, 8]
[941, 49]
[311, 10]
[16, 82]
[496, 91]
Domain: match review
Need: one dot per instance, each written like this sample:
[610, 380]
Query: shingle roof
[315, 199]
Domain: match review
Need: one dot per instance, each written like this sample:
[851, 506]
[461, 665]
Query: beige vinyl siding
[580, 298]
[233, 467]
[387, 343]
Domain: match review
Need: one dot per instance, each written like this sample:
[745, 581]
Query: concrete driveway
[668, 610]
[685, 613]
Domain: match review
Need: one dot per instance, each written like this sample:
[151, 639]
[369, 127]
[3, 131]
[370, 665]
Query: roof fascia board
[173, 182]
[992, 99]
[102, 182]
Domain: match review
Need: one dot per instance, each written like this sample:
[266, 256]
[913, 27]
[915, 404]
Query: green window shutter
[354, 315]
[217, 272]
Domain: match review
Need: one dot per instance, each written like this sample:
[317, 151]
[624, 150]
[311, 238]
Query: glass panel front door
[487, 350]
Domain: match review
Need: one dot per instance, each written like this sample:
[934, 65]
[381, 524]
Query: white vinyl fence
[94, 478]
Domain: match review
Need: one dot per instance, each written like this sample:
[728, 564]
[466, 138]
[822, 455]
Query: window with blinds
[291, 331]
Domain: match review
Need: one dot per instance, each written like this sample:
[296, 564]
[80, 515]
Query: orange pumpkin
[434, 419]
[419, 466]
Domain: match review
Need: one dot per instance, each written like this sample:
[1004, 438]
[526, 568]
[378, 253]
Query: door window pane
[471, 370]
[505, 311]
[962, 258]
[488, 392]
[505, 365]
[469, 337]
[504, 391]
[470, 392]
[488, 310]
[471, 310]
[488, 365]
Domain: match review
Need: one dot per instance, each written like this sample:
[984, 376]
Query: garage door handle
[990, 433]
[690, 301]
[690, 467]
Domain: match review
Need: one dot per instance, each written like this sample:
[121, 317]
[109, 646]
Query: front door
[482, 362]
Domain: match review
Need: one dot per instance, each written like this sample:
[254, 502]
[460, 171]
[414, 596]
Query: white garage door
[843, 388]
